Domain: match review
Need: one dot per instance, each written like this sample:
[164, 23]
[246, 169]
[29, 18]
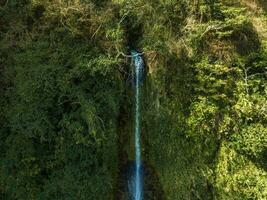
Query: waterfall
[139, 65]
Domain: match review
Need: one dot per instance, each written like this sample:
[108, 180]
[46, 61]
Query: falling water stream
[137, 182]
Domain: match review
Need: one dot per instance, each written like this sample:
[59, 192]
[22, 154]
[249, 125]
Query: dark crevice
[134, 32]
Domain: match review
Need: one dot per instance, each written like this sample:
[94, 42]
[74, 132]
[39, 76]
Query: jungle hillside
[68, 98]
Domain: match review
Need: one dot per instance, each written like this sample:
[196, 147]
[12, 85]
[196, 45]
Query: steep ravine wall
[126, 150]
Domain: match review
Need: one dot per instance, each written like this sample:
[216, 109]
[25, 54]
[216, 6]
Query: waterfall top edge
[135, 53]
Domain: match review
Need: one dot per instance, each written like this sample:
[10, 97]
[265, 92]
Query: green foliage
[61, 89]
[227, 94]
[252, 141]
[237, 177]
[61, 139]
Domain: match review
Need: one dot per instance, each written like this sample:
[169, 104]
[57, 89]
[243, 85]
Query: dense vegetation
[64, 83]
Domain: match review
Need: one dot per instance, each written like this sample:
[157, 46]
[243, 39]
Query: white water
[139, 64]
